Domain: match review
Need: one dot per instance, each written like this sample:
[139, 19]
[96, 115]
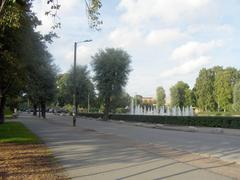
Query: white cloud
[84, 54]
[124, 37]
[163, 36]
[194, 49]
[206, 28]
[138, 11]
[187, 67]
[68, 6]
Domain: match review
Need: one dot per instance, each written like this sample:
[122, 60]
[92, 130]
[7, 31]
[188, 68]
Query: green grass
[8, 116]
[16, 132]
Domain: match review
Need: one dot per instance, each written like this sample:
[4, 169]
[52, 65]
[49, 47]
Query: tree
[63, 96]
[121, 103]
[138, 100]
[15, 60]
[236, 97]
[84, 86]
[224, 84]
[24, 58]
[111, 67]
[160, 96]
[204, 89]
[24, 54]
[9, 14]
[41, 80]
[180, 95]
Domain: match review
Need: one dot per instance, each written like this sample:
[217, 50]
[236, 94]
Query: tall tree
[180, 95]
[121, 103]
[63, 96]
[15, 60]
[224, 83]
[236, 97]
[111, 67]
[160, 96]
[84, 86]
[204, 89]
[24, 56]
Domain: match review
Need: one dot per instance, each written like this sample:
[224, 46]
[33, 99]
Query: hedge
[204, 121]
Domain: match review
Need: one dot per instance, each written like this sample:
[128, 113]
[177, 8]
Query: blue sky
[168, 40]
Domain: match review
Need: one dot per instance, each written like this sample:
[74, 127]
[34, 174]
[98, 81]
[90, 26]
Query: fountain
[160, 111]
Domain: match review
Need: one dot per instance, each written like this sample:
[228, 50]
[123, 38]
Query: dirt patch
[28, 161]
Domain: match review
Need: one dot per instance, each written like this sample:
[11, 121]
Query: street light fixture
[74, 80]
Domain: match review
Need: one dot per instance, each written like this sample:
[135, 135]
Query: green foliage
[84, 86]
[26, 65]
[10, 15]
[160, 96]
[63, 96]
[138, 100]
[15, 132]
[69, 108]
[111, 67]
[92, 9]
[7, 111]
[204, 89]
[180, 95]
[236, 97]
[224, 83]
[214, 88]
[211, 121]
[121, 103]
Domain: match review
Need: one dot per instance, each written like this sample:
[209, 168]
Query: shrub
[7, 111]
[205, 121]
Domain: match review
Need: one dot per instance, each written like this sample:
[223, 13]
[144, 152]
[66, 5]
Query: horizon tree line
[215, 89]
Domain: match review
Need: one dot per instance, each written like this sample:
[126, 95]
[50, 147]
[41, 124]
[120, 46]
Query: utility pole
[74, 85]
[88, 103]
[74, 81]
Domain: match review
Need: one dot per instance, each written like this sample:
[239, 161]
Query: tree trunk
[43, 109]
[106, 109]
[2, 105]
[35, 110]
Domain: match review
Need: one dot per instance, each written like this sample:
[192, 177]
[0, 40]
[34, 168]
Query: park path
[87, 153]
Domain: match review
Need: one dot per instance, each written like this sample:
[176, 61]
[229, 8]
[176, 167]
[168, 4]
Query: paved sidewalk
[88, 154]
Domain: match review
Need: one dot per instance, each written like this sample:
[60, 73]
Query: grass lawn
[24, 156]
[15, 132]
[8, 116]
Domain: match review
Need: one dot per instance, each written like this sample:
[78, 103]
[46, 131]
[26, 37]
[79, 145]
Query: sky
[168, 40]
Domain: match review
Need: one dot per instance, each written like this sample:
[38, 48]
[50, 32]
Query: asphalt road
[112, 150]
[226, 147]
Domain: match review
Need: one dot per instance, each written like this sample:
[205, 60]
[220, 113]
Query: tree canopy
[111, 67]
[160, 96]
[180, 94]
[25, 61]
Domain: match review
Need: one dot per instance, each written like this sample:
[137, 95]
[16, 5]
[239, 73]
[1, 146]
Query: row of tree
[216, 89]
[27, 71]
[26, 66]
[105, 90]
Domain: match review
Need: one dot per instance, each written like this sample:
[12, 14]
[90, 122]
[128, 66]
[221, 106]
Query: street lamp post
[88, 102]
[74, 81]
